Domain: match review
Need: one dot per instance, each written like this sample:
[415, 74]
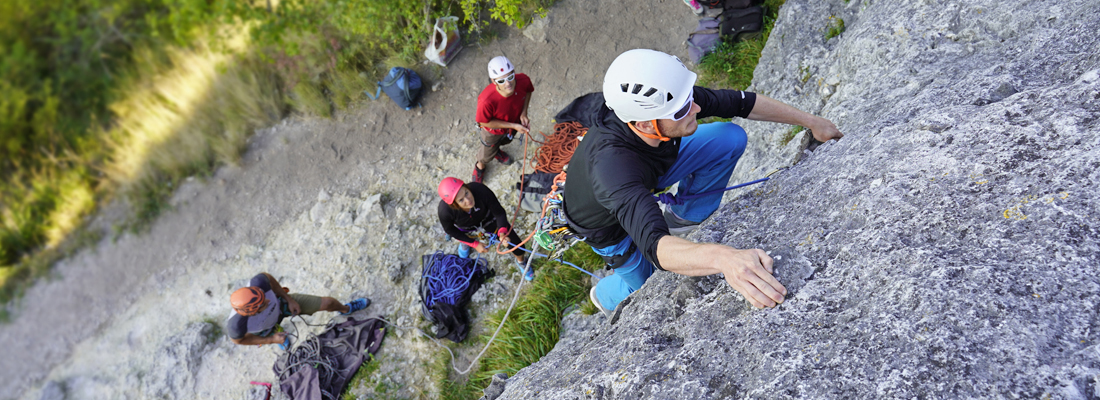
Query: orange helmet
[248, 300]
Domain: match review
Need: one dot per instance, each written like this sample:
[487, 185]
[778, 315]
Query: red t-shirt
[491, 105]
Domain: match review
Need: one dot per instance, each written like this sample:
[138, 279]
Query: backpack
[704, 39]
[447, 282]
[742, 23]
[739, 4]
[536, 186]
[402, 85]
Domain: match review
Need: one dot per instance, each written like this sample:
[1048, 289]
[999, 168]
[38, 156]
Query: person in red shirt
[501, 112]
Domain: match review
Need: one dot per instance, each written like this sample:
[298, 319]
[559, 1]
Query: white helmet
[500, 66]
[643, 85]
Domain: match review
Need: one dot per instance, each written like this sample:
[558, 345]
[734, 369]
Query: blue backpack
[402, 85]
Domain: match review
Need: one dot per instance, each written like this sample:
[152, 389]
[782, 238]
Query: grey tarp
[320, 367]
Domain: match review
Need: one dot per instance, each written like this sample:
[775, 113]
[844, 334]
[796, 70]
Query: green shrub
[80, 121]
[836, 27]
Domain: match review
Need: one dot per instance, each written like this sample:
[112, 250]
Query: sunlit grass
[76, 198]
[183, 115]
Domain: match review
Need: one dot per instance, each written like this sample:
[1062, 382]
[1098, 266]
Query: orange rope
[555, 153]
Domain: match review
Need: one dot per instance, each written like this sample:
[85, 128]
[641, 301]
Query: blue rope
[449, 277]
[669, 198]
[493, 239]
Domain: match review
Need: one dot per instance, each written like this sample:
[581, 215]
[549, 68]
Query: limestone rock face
[946, 247]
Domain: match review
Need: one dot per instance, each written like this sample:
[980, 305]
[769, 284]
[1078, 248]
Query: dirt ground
[108, 305]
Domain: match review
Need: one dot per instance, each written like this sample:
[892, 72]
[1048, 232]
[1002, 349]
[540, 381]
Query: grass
[835, 28]
[790, 135]
[532, 329]
[731, 65]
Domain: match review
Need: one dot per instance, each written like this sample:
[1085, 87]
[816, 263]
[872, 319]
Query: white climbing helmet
[500, 66]
[643, 85]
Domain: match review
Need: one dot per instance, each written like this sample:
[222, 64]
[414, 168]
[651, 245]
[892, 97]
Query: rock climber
[648, 140]
[260, 307]
[501, 113]
[467, 209]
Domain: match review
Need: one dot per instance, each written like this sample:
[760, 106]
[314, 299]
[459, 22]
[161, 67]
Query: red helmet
[247, 300]
[448, 189]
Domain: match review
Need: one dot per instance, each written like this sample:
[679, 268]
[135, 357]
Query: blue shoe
[356, 305]
[285, 344]
[530, 275]
[596, 302]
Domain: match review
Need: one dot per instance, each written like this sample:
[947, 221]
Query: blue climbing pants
[705, 163]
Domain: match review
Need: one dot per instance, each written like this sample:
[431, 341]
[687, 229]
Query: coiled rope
[556, 151]
[308, 354]
[448, 280]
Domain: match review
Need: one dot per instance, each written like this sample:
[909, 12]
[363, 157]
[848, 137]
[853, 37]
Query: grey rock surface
[946, 247]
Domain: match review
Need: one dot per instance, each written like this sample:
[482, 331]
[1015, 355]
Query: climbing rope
[556, 151]
[448, 281]
[671, 199]
[308, 354]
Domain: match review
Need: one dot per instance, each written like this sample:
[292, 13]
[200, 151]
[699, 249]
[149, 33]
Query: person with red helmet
[467, 208]
[260, 307]
[501, 112]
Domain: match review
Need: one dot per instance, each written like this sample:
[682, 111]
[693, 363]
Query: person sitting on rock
[501, 112]
[649, 139]
[467, 209]
[260, 307]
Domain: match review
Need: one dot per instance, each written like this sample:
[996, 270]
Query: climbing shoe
[285, 344]
[356, 305]
[479, 174]
[530, 275]
[596, 302]
[503, 157]
[678, 226]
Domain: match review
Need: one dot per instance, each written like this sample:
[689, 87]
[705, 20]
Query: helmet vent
[637, 88]
[650, 92]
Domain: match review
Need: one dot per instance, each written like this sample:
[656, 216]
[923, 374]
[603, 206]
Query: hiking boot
[695, 7]
[596, 302]
[479, 174]
[530, 275]
[503, 157]
[356, 305]
[678, 226]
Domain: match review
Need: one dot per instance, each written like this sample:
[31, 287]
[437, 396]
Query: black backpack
[742, 23]
[402, 85]
[535, 187]
[741, 3]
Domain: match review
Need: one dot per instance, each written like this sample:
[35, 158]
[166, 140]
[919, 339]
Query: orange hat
[248, 300]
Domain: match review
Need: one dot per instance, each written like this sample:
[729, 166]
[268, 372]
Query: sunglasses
[683, 111]
[509, 78]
